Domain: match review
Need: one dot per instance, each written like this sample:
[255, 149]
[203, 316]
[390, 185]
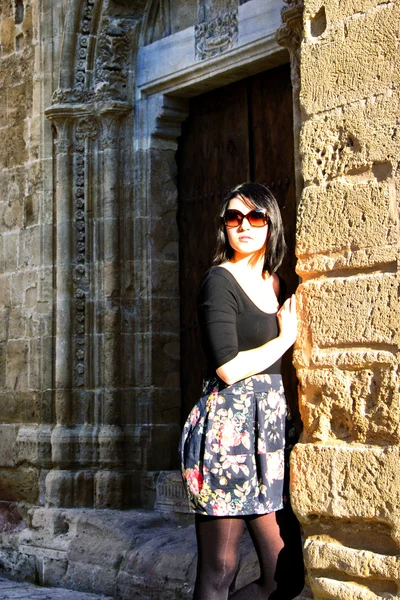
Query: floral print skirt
[233, 447]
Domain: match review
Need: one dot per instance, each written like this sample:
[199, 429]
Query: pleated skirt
[234, 447]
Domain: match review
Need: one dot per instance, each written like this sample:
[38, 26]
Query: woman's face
[245, 239]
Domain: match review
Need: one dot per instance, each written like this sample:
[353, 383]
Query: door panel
[213, 156]
[238, 133]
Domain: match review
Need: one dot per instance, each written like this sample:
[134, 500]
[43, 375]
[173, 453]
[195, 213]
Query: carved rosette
[82, 50]
[217, 36]
[86, 130]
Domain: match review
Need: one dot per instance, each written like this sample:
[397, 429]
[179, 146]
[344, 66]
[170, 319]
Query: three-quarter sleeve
[217, 315]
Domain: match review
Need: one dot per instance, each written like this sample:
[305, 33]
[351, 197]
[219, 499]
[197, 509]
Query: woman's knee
[221, 570]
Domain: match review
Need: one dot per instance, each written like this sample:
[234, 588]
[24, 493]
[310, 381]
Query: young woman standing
[235, 438]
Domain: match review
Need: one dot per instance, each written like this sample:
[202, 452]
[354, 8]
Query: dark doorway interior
[237, 133]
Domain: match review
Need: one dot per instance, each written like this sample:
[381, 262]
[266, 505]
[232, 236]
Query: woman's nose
[245, 223]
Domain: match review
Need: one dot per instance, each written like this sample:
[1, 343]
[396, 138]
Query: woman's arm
[256, 360]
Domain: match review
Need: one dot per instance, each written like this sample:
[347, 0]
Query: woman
[234, 440]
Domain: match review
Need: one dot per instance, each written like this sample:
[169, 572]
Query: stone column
[109, 484]
[59, 481]
[88, 439]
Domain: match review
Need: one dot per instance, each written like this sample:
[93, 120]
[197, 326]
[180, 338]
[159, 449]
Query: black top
[230, 322]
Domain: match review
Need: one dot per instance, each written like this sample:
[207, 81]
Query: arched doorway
[240, 132]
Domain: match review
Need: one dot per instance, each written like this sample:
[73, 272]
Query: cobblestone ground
[11, 590]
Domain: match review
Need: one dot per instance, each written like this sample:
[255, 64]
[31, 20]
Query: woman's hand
[287, 320]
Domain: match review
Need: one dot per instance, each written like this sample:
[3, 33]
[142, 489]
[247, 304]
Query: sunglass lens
[232, 218]
[257, 218]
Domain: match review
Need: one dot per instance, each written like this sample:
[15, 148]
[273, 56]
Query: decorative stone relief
[290, 34]
[113, 48]
[217, 36]
[86, 129]
[82, 48]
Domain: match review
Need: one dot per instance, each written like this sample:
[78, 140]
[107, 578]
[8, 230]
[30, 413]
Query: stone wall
[25, 259]
[345, 472]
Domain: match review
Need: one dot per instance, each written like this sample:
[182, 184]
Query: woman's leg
[217, 545]
[276, 537]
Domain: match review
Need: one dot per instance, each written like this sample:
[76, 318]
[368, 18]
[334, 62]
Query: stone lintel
[170, 65]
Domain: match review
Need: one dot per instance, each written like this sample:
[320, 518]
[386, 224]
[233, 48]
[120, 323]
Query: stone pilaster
[345, 483]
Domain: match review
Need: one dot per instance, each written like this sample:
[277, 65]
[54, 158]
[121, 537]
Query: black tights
[276, 538]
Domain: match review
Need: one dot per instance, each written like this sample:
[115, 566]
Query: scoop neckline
[244, 292]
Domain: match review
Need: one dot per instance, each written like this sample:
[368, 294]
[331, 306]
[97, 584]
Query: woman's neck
[253, 262]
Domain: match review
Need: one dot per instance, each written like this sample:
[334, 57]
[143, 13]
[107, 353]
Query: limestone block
[351, 140]
[343, 217]
[353, 406]
[3, 108]
[8, 436]
[59, 488]
[29, 247]
[326, 556]
[19, 407]
[108, 489]
[165, 278]
[23, 287]
[33, 445]
[5, 291]
[4, 323]
[165, 360]
[13, 151]
[338, 10]
[11, 210]
[19, 486]
[354, 310]
[17, 364]
[27, 25]
[164, 237]
[315, 264]
[3, 364]
[347, 481]
[17, 323]
[7, 35]
[358, 64]
[135, 448]
[332, 589]
[17, 101]
[10, 251]
[31, 210]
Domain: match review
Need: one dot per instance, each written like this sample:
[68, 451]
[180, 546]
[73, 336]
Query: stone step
[12, 590]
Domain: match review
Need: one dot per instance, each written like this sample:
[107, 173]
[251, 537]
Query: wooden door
[238, 133]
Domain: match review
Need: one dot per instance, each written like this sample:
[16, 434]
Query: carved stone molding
[171, 112]
[217, 36]
[290, 34]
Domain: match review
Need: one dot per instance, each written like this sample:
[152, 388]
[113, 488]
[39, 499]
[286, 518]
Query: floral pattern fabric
[233, 447]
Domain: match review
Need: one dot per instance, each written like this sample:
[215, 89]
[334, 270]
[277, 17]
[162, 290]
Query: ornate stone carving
[217, 36]
[111, 62]
[82, 47]
[86, 128]
[290, 34]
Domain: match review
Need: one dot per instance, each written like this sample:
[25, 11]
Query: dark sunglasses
[234, 218]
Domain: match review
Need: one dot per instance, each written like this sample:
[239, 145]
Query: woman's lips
[245, 238]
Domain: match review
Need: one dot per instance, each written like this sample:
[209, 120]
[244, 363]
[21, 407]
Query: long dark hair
[254, 194]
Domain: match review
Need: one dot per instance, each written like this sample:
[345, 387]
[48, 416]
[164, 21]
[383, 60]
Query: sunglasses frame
[240, 216]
